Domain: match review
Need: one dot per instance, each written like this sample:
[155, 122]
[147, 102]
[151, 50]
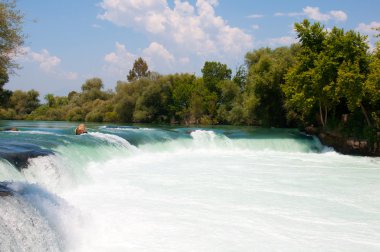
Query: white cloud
[134, 12]
[281, 41]
[185, 8]
[338, 15]
[120, 61]
[158, 52]
[255, 27]
[158, 57]
[96, 26]
[155, 23]
[195, 29]
[368, 29]
[255, 16]
[291, 14]
[70, 75]
[47, 63]
[184, 60]
[316, 14]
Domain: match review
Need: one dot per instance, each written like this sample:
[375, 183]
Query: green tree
[24, 102]
[304, 89]
[92, 90]
[11, 38]
[126, 97]
[240, 77]
[347, 62]
[353, 72]
[5, 95]
[75, 114]
[92, 84]
[267, 70]
[50, 100]
[213, 73]
[152, 105]
[377, 35]
[197, 107]
[71, 95]
[139, 70]
[230, 94]
[4, 78]
[182, 87]
[372, 85]
[125, 108]
[329, 76]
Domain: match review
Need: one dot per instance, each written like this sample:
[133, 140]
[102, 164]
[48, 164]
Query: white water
[204, 193]
[35, 220]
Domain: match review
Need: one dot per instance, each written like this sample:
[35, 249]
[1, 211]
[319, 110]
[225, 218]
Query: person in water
[81, 129]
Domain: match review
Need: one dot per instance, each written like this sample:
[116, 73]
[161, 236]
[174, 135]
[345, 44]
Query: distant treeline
[330, 79]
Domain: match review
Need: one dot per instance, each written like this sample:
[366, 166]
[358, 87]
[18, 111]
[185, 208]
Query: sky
[73, 40]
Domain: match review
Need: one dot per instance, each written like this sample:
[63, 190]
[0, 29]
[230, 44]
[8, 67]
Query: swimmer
[81, 129]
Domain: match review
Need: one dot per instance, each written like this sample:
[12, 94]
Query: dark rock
[311, 130]
[5, 191]
[18, 153]
[346, 145]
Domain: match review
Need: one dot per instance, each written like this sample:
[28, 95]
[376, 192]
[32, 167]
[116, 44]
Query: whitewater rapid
[122, 188]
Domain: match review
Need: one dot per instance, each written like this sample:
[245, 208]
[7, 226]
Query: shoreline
[344, 145]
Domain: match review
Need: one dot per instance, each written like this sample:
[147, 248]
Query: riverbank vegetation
[329, 80]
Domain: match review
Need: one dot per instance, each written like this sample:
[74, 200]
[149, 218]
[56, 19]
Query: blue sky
[73, 40]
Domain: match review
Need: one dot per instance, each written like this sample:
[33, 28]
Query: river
[172, 188]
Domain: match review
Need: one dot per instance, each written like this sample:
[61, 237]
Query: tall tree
[353, 68]
[182, 88]
[267, 69]
[49, 100]
[139, 70]
[92, 90]
[11, 38]
[240, 77]
[304, 89]
[330, 71]
[230, 94]
[24, 102]
[91, 84]
[372, 84]
[213, 73]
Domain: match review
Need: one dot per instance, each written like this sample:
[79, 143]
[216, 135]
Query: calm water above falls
[127, 188]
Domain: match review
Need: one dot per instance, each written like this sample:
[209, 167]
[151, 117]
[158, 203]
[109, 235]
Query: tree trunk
[321, 114]
[365, 115]
[325, 114]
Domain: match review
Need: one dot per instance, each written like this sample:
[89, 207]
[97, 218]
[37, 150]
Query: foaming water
[8, 171]
[50, 172]
[32, 219]
[114, 140]
[227, 201]
[200, 140]
[123, 188]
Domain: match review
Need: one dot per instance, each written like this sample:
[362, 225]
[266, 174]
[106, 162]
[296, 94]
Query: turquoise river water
[145, 188]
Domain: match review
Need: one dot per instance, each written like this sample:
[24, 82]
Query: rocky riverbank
[344, 145]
